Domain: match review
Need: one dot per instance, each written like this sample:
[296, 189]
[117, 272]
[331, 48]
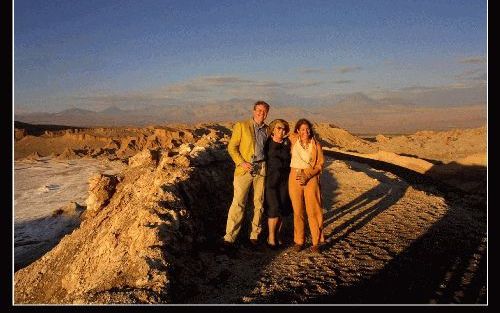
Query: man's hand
[247, 166]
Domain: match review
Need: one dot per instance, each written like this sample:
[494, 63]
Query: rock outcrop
[101, 189]
[138, 232]
[114, 142]
[34, 156]
[333, 136]
[68, 154]
[444, 146]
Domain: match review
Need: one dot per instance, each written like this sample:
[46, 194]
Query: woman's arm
[318, 167]
[293, 137]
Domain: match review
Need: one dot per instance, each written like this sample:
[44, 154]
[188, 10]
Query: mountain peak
[75, 111]
[358, 98]
[112, 110]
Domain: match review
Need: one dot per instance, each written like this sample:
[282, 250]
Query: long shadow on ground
[446, 265]
[379, 198]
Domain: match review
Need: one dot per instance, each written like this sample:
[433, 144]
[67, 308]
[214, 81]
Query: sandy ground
[387, 241]
[41, 187]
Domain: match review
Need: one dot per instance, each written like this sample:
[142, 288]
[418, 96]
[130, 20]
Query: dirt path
[387, 241]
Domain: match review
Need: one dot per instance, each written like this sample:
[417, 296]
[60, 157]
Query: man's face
[259, 114]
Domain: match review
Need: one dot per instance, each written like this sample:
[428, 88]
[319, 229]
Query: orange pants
[306, 199]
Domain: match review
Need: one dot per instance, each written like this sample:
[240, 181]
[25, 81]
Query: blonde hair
[273, 124]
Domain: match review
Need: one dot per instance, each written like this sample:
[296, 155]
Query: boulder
[101, 189]
[146, 157]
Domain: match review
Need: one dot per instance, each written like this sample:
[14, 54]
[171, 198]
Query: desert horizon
[353, 115]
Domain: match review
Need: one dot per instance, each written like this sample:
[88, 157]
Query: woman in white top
[304, 186]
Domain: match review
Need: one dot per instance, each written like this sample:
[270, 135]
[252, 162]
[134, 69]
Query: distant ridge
[112, 110]
[357, 113]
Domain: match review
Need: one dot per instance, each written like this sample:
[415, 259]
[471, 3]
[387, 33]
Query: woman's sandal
[271, 246]
[298, 248]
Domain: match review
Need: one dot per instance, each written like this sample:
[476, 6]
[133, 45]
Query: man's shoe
[228, 247]
[254, 242]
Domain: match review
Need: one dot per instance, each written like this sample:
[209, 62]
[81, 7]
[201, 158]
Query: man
[246, 148]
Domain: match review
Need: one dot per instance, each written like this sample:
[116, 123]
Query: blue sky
[95, 54]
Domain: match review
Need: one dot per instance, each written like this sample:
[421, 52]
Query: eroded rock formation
[138, 229]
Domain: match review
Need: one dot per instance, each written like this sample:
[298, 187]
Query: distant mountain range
[357, 113]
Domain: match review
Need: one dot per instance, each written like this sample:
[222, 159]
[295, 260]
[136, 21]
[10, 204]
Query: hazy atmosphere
[326, 57]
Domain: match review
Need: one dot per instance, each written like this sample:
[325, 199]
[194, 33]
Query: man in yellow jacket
[246, 148]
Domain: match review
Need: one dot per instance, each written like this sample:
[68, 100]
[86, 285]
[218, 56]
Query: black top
[278, 158]
[277, 200]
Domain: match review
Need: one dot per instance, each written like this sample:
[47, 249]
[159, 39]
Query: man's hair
[260, 102]
[301, 122]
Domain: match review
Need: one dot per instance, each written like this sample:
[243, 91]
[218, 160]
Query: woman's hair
[301, 122]
[273, 124]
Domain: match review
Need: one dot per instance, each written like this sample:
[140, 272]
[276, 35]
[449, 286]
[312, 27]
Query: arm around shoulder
[293, 137]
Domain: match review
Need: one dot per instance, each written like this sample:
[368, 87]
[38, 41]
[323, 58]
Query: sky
[94, 54]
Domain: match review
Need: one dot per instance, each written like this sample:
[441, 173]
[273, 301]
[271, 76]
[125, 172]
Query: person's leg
[314, 210]
[272, 203]
[272, 223]
[297, 198]
[285, 207]
[236, 212]
[258, 201]
[279, 223]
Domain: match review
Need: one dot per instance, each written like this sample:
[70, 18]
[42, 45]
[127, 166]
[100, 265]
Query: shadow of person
[329, 187]
[447, 263]
[366, 206]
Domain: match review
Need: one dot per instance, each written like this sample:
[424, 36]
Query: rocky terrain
[49, 197]
[395, 232]
[387, 241]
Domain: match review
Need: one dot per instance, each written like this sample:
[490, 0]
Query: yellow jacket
[241, 147]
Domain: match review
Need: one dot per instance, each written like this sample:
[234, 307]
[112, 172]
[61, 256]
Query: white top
[301, 157]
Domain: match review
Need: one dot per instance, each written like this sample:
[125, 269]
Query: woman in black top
[277, 202]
